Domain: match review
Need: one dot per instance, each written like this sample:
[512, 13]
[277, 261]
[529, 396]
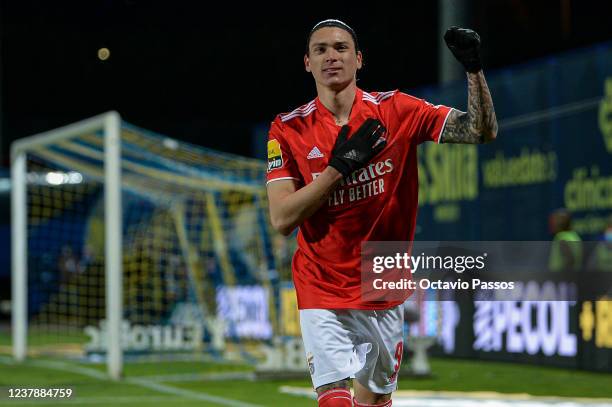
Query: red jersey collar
[327, 115]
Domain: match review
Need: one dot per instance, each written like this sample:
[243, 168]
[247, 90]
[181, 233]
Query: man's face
[332, 59]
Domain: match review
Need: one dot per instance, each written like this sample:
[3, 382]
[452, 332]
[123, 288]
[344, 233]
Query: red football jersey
[376, 203]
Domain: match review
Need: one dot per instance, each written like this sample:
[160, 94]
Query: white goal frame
[110, 124]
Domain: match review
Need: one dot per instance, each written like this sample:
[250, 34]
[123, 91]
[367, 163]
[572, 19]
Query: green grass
[449, 375]
[467, 375]
[28, 376]
[168, 368]
[40, 336]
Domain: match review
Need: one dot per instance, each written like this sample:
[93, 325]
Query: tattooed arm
[479, 124]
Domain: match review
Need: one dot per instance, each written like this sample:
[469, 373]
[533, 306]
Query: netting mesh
[200, 264]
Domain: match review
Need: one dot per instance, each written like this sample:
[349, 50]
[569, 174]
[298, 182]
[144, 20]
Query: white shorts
[363, 344]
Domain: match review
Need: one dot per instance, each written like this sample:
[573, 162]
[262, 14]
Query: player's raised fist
[465, 46]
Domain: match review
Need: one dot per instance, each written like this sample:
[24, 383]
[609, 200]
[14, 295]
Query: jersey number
[399, 352]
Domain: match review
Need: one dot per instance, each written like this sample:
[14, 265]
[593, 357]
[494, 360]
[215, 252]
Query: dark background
[208, 72]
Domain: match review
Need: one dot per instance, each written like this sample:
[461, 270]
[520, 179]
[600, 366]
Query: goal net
[130, 243]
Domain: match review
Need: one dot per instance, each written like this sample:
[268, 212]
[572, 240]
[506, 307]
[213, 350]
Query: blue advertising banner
[570, 334]
[554, 149]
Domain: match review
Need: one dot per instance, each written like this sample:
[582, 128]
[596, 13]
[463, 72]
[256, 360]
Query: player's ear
[306, 63]
[359, 60]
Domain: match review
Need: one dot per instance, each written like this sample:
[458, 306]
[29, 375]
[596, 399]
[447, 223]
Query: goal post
[113, 241]
[130, 244]
[110, 124]
[19, 257]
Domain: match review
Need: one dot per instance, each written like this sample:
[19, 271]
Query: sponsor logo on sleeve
[275, 156]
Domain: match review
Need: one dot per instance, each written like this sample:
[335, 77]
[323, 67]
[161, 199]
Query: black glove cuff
[473, 64]
[340, 166]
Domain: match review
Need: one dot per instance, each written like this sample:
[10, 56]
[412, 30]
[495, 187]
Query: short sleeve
[426, 121]
[281, 164]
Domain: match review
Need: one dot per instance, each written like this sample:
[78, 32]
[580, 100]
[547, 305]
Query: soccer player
[343, 169]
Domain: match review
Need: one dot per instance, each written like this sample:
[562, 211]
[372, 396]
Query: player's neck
[339, 102]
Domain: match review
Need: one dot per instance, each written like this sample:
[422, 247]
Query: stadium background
[216, 78]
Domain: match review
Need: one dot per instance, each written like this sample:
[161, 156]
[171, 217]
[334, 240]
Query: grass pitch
[202, 383]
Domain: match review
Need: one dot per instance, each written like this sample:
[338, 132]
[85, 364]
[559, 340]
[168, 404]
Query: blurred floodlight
[75, 178]
[171, 144]
[103, 54]
[58, 178]
[5, 184]
[55, 178]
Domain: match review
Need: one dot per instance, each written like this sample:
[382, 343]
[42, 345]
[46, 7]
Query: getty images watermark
[504, 271]
[423, 262]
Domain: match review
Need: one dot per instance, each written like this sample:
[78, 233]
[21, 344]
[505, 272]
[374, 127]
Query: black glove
[354, 153]
[465, 46]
